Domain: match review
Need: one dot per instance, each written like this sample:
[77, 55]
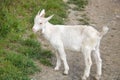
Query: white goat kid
[74, 37]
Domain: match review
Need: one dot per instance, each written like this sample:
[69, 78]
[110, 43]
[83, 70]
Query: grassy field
[19, 47]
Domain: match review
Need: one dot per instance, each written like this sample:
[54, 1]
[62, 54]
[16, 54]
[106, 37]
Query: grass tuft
[80, 3]
[84, 20]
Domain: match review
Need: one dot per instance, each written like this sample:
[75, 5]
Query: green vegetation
[84, 20]
[14, 66]
[18, 45]
[80, 3]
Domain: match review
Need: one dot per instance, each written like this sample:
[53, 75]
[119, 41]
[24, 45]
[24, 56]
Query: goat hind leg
[98, 63]
[88, 63]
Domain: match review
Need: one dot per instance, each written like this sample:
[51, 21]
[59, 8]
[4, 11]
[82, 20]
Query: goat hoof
[56, 68]
[65, 73]
[84, 78]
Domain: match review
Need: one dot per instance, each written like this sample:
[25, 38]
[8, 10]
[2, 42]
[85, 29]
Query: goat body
[73, 37]
[82, 38]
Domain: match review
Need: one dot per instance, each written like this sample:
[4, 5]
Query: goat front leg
[63, 58]
[88, 63]
[58, 63]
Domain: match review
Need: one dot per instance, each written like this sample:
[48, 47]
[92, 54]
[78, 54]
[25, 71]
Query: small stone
[113, 28]
[112, 35]
[118, 16]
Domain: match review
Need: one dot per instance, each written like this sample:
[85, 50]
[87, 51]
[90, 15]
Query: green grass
[15, 66]
[35, 51]
[80, 4]
[19, 47]
[17, 16]
[84, 20]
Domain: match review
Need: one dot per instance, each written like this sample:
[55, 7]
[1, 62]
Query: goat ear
[42, 13]
[38, 13]
[47, 19]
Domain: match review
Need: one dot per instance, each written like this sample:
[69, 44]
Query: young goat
[74, 37]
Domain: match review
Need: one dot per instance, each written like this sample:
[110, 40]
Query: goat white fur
[74, 37]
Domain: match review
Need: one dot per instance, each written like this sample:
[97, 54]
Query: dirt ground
[101, 13]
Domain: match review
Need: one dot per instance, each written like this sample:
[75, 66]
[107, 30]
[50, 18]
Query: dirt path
[100, 12]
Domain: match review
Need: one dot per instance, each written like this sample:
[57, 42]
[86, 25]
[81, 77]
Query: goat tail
[104, 31]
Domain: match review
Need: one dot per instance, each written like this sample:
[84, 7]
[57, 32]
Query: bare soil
[101, 13]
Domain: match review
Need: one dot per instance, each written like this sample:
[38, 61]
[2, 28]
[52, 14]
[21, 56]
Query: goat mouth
[34, 31]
